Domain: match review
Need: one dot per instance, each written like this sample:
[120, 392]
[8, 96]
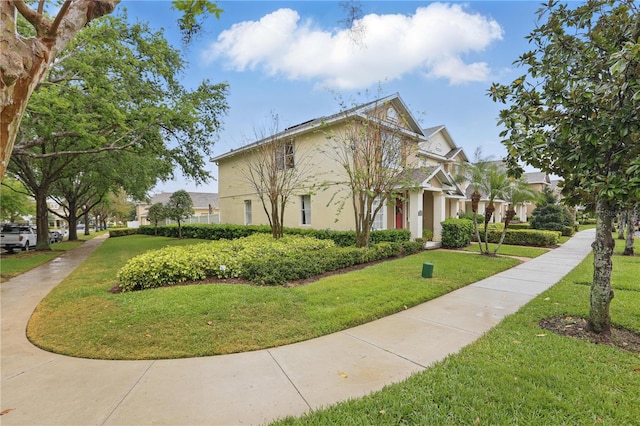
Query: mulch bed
[577, 328]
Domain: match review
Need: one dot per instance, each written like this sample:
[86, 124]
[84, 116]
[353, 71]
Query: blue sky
[293, 58]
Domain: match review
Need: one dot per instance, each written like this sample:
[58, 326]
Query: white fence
[205, 219]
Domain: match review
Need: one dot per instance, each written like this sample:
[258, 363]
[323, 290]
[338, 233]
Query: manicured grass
[81, 318]
[519, 373]
[509, 250]
[15, 264]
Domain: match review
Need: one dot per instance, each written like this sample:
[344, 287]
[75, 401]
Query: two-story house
[425, 195]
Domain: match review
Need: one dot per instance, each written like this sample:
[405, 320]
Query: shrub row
[272, 270]
[232, 232]
[525, 237]
[523, 225]
[456, 233]
[121, 232]
[566, 230]
[258, 258]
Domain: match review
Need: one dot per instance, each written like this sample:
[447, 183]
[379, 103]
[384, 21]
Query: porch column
[416, 213]
[439, 215]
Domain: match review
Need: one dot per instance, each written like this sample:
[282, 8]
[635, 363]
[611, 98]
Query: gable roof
[455, 150]
[421, 177]
[394, 101]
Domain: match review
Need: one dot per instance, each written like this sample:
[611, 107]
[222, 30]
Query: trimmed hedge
[523, 225]
[456, 233]
[258, 258]
[232, 232]
[525, 237]
[121, 232]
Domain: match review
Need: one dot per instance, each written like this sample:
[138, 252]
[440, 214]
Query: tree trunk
[510, 215]
[87, 231]
[24, 61]
[475, 199]
[42, 220]
[601, 292]
[622, 222]
[488, 213]
[632, 218]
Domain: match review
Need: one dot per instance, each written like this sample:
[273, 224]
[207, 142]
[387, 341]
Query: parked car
[21, 237]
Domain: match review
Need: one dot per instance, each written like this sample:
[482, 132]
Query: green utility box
[427, 270]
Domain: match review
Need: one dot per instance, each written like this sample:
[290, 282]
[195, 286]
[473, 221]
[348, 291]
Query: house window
[392, 115]
[305, 202]
[379, 220]
[285, 156]
[247, 212]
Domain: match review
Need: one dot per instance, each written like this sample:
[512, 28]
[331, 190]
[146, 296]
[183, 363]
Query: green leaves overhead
[576, 111]
[192, 12]
[117, 88]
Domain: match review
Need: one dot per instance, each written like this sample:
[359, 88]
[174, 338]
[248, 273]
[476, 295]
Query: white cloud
[433, 41]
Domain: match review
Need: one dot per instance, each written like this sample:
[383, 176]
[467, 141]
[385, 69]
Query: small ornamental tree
[155, 214]
[276, 169]
[374, 156]
[179, 207]
[517, 193]
[575, 113]
[549, 215]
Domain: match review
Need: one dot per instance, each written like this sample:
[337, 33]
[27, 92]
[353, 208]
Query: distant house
[205, 204]
[429, 163]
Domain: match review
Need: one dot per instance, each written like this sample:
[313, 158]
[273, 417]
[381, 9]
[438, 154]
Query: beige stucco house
[427, 196]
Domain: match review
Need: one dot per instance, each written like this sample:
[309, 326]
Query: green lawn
[519, 373]
[509, 250]
[15, 264]
[80, 317]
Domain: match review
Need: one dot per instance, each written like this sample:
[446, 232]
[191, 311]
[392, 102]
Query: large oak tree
[115, 95]
[25, 56]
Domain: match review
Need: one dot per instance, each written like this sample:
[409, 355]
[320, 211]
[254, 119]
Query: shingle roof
[536, 177]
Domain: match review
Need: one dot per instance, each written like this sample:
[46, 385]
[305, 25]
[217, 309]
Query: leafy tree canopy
[575, 114]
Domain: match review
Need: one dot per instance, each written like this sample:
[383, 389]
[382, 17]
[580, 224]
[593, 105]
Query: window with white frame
[379, 222]
[247, 212]
[285, 156]
[305, 203]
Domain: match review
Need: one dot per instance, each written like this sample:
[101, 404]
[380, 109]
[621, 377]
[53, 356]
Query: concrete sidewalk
[41, 388]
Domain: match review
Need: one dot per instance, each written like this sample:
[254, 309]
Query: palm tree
[474, 175]
[517, 193]
[495, 185]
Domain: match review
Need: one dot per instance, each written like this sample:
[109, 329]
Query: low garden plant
[258, 258]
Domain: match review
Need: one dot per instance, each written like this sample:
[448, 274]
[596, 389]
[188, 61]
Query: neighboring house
[204, 204]
[428, 195]
[537, 181]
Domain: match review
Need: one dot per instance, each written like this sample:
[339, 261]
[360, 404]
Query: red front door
[399, 214]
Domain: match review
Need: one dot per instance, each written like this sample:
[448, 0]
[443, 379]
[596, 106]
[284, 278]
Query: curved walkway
[41, 388]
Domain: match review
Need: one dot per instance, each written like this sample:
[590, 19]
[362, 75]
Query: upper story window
[285, 156]
[392, 115]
